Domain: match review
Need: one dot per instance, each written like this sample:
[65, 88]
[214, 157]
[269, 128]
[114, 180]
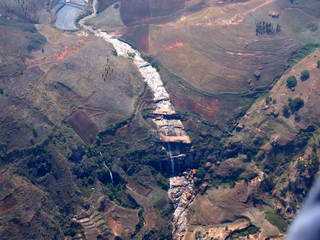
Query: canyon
[169, 128]
[156, 119]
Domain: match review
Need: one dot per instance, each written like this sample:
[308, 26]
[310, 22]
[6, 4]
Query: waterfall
[171, 159]
[110, 172]
[169, 127]
[108, 169]
[95, 6]
[172, 165]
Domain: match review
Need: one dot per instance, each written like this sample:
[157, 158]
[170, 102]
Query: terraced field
[80, 152]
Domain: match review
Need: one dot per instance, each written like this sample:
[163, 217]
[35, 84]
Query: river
[169, 127]
[68, 14]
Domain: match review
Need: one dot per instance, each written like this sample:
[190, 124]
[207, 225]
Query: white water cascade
[171, 159]
[169, 127]
[108, 169]
[110, 172]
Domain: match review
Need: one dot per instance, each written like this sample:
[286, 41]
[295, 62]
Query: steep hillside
[268, 165]
[87, 153]
[31, 10]
[133, 12]
[70, 109]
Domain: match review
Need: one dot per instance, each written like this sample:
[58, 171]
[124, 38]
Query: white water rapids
[170, 129]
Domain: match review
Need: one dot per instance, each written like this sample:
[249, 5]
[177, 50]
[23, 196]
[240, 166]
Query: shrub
[291, 82]
[201, 172]
[302, 53]
[318, 64]
[131, 55]
[276, 220]
[267, 185]
[40, 165]
[295, 104]
[268, 100]
[103, 176]
[34, 133]
[72, 229]
[286, 111]
[305, 75]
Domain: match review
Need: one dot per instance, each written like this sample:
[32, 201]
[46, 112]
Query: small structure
[257, 75]
[274, 14]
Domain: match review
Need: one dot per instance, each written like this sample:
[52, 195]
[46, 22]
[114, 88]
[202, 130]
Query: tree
[201, 172]
[286, 111]
[318, 64]
[268, 100]
[305, 75]
[295, 104]
[291, 82]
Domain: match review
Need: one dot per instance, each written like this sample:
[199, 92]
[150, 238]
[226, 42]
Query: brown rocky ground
[276, 155]
[70, 106]
[58, 91]
[229, 60]
[266, 119]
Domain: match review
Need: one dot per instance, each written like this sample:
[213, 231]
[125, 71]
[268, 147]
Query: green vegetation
[291, 82]
[305, 75]
[111, 130]
[252, 229]
[201, 172]
[34, 133]
[114, 53]
[118, 194]
[103, 176]
[153, 61]
[318, 64]
[1, 91]
[269, 28]
[269, 100]
[163, 183]
[72, 229]
[163, 234]
[267, 184]
[276, 220]
[295, 104]
[286, 111]
[85, 173]
[302, 53]
[311, 165]
[141, 222]
[40, 165]
[131, 55]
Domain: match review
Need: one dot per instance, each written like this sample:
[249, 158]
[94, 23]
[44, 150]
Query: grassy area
[252, 229]
[276, 220]
[302, 53]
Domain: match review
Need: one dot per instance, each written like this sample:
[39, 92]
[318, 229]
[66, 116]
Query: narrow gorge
[169, 127]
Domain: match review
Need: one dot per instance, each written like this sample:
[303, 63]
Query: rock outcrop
[181, 193]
